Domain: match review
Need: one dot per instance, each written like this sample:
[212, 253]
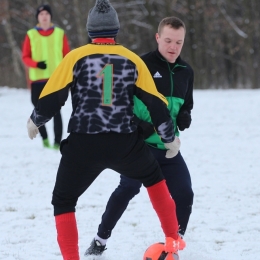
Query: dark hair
[173, 22]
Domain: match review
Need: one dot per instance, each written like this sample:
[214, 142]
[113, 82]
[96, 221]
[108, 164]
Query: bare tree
[222, 40]
[79, 23]
[15, 51]
[230, 21]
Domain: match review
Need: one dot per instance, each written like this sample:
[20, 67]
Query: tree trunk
[15, 51]
[81, 33]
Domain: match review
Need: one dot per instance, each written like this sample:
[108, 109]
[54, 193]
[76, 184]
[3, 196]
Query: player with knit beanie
[102, 77]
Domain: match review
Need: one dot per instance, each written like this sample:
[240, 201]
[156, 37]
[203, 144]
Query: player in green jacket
[173, 78]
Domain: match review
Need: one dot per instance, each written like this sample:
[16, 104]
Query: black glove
[183, 120]
[144, 128]
[42, 65]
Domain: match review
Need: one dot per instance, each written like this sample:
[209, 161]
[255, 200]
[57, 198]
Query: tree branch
[231, 22]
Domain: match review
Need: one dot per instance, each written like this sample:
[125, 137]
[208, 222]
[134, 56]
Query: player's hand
[173, 147]
[183, 120]
[32, 129]
[144, 128]
[42, 65]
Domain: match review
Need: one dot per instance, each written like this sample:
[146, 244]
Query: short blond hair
[173, 22]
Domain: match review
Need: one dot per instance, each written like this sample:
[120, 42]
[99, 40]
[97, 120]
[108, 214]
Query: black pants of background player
[178, 180]
[36, 89]
[85, 156]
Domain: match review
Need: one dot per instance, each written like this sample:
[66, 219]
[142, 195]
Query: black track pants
[178, 180]
[85, 156]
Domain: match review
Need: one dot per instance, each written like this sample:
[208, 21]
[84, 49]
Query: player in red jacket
[44, 47]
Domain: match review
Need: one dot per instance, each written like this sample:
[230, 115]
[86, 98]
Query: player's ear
[157, 36]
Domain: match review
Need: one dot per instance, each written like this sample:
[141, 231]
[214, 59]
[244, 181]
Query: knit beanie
[43, 8]
[102, 20]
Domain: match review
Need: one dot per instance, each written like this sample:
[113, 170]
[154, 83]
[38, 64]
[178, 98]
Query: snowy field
[222, 151]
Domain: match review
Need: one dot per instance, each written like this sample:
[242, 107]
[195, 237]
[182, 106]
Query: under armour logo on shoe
[157, 75]
[175, 244]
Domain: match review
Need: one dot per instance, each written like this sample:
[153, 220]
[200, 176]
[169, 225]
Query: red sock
[67, 235]
[165, 208]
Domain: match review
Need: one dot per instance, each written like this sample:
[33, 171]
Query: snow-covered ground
[222, 151]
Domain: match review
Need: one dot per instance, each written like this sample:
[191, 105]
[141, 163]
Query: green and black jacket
[175, 82]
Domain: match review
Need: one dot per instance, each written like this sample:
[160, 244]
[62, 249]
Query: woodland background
[222, 40]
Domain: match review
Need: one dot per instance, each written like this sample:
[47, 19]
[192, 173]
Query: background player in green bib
[44, 47]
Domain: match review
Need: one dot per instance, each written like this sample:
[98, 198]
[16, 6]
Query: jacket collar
[107, 41]
[159, 55]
